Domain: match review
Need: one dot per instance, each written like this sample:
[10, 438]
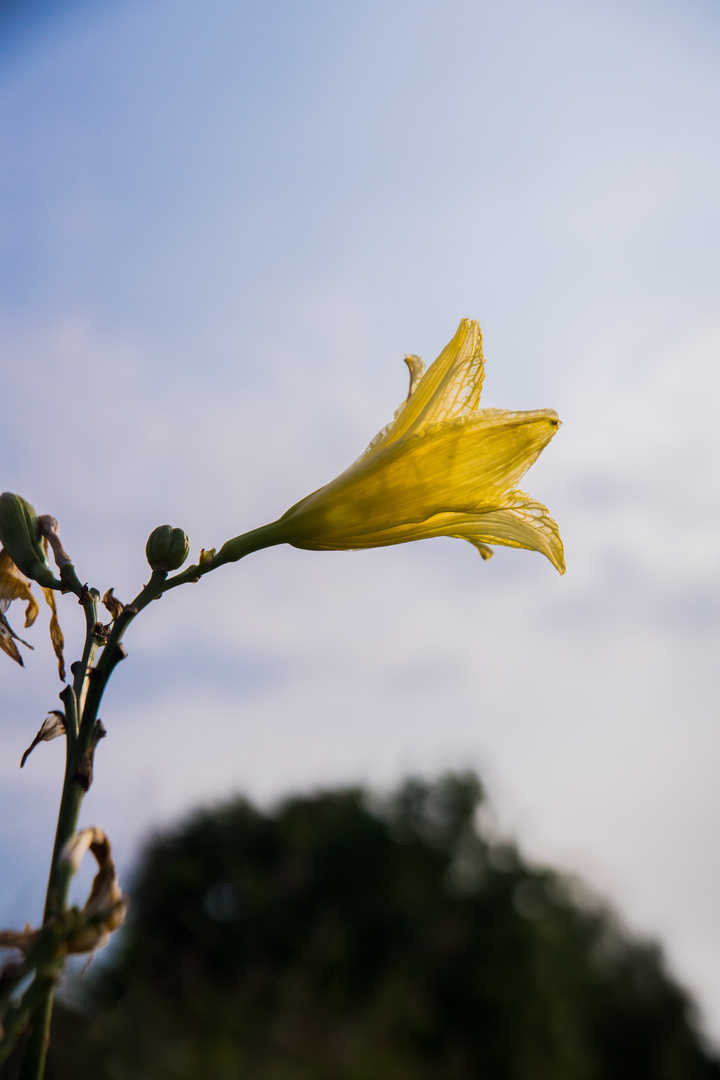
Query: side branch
[232, 551]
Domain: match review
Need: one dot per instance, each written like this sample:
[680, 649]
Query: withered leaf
[49, 529]
[56, 634]
[8, 637]
[104, 910]
[15, 586]
[19, 939]
[105, 905]
[112, 603]
[52, 728]
[84, 771]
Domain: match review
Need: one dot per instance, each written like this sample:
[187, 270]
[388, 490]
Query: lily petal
[416, 367]
[56, 634]
[15, 586]
[449, 388]
[462, 466]
[524, 524]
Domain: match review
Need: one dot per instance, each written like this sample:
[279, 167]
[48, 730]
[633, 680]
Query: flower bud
[167, 548]
[21, 537]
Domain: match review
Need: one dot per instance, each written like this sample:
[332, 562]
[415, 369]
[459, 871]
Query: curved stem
[232, 551]
[113, 652]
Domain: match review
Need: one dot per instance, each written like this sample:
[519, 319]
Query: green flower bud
[21, 537]
[167, 548]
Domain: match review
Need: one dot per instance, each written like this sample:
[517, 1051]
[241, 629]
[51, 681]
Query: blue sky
[221, 228]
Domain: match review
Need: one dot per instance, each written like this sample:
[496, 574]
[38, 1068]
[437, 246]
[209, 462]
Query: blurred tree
[340, 939]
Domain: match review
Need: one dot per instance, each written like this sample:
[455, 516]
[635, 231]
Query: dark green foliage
[331, 941]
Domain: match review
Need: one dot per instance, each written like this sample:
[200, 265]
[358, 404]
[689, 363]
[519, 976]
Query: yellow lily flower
[443, 467]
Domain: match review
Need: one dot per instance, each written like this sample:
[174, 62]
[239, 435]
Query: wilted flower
[105, 908]
[14, 585]
[443, 467]
[82, 931]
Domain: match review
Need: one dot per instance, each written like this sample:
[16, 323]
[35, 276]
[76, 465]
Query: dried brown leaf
[19, 939]
[8, 637]
[52, 727]
[15, 586]
[105, 905]
[112, 603]
[56, 634]
[105, 908]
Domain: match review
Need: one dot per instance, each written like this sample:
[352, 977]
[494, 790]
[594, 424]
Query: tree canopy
[344, 938]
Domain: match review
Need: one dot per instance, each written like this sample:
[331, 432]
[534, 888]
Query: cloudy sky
[221, 228]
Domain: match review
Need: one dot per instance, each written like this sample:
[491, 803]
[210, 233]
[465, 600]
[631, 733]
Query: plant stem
[82, 701]
[36, 1001]
[77, 741]
[231, 551]
[33, 1065]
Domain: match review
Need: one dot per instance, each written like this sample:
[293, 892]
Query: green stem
[55, 902]
[82, 702]
[71, 582]
[231, 551]
[35, 1003]
[38, 1007]
[112, 652]
[91, 646]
